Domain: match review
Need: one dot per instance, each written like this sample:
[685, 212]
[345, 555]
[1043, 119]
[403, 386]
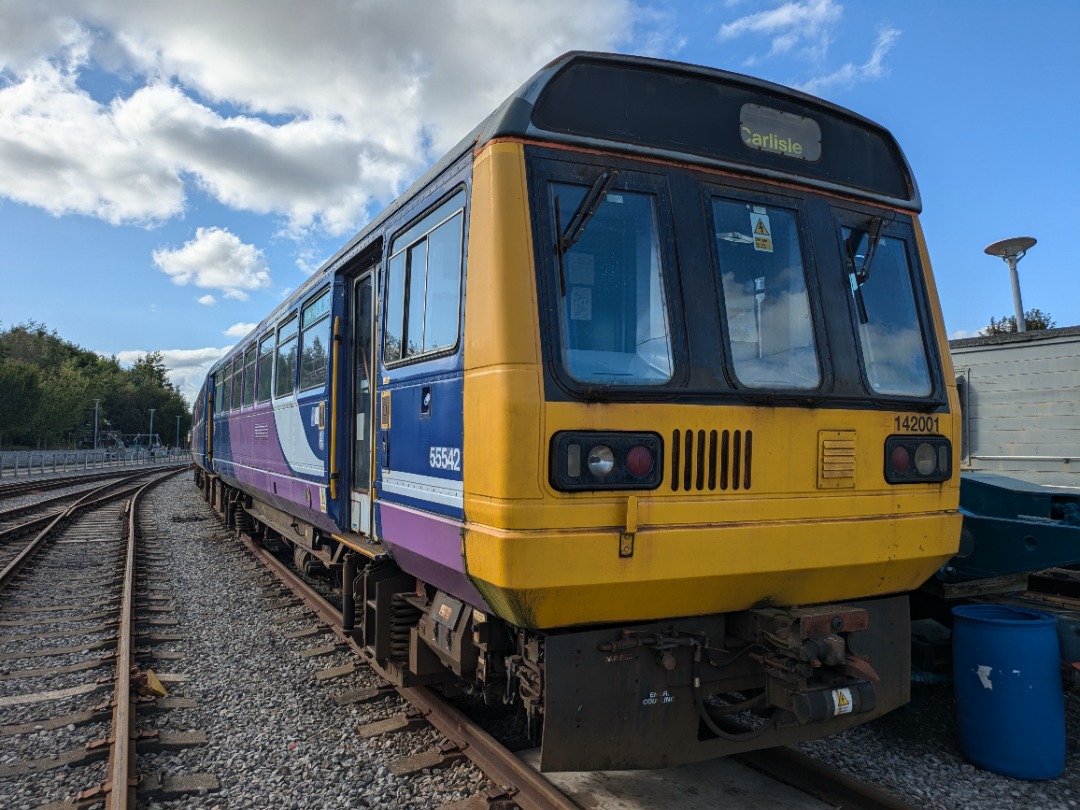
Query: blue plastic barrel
[1009, 703]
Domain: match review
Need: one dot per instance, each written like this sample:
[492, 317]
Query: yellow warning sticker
[759, 225]
[842, 703]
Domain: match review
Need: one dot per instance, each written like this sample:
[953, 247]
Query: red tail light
[901, 460]
[639, 461]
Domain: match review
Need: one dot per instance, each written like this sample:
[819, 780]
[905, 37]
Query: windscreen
[890, 337]
[613, 311]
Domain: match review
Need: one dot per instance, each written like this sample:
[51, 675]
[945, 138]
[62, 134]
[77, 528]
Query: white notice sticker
[581, 303]
[842, 703]
[762, 231]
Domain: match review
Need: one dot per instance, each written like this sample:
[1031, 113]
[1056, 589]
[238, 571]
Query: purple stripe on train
[429, 547]
[249, 455]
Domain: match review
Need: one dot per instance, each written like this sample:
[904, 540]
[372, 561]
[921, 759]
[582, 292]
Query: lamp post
[177, 432]
[150, 438]
[96, 402]
[1012, 251]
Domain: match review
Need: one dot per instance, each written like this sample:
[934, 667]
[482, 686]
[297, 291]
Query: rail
[122, 751]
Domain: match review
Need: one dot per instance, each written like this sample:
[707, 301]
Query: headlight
[586, 460]
[601, 461]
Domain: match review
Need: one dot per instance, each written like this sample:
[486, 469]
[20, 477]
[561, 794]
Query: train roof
[682, 121]
[637, 105]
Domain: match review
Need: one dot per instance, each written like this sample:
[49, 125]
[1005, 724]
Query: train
[635, 412]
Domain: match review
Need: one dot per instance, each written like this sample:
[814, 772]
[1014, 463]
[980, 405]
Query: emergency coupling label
[658, 698]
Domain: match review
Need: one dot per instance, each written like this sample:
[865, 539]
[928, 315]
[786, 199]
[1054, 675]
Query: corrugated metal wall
[1021, 396]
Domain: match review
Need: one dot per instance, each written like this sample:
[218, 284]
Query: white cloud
[805, 22]
[187, 368]
[238, 330]
[851, 74]
[206, 300]
[216, 259]
[312, 117]
[308, 261]
[63, 152]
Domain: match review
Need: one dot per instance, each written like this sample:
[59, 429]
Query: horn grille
[714, 460]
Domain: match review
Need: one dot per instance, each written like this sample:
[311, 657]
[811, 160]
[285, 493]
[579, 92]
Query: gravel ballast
[914, 753]
[276, 736]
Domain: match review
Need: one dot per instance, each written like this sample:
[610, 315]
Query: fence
[14, 464]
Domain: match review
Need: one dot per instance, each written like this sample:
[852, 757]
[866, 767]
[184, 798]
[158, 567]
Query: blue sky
[170, 171]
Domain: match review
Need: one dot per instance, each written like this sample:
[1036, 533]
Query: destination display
[776, 131]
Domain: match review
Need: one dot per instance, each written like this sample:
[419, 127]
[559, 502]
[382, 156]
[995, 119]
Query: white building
[1020, 394]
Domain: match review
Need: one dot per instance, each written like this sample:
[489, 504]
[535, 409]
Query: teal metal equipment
[1012, 527]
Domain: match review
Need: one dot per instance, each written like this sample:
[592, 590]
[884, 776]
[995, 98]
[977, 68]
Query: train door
[363, 400]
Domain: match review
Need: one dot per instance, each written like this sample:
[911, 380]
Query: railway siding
[71, 609]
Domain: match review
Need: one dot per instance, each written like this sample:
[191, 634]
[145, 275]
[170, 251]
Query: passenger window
[249, 377]
[890, 336]
[767, 310]
[219, 391]
[423, 298]
[265, 369]
[613, 315]
[285, 365]
[314, 340]
[237, 377]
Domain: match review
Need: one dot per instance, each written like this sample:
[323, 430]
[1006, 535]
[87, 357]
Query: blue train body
[279, 447]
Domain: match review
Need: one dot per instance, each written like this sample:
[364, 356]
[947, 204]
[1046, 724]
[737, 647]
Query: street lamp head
[1013, 248]
[1012, 251]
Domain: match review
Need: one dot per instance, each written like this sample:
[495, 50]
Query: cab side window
[423, 299]
[314, 339]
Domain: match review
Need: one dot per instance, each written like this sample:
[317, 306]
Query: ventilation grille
[711, 460]
[837, 467]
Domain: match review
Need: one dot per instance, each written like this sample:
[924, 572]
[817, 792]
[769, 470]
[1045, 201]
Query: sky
[170, 171]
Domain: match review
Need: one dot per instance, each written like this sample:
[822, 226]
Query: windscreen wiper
[580, 220]
[873, 236]
[861, 274]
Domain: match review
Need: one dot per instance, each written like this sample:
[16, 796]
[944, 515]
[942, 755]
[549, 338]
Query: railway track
[39, 484]
[48, 506]
[519, 785]
[71, 600]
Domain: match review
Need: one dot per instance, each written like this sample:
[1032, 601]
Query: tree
[150, 370]
[59, 411]
[48, 387]
[20, 393]
[1034, 320]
